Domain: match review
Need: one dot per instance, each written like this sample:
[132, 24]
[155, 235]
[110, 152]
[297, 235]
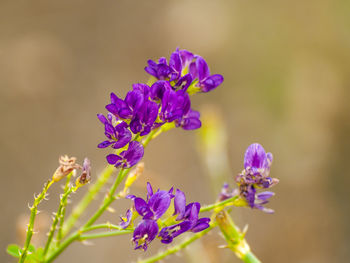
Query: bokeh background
[287, 85]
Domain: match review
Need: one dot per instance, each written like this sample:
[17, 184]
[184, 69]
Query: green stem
[235, 238]
[57, 217]
[34, 211]
[87, 199]
[250, 258]
[105, 234]
[63, 212]
[79, 236]
[108, 199]
[99, 226]
[220, 204]
[178, 247]
[62, 247]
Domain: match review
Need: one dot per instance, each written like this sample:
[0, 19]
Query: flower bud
[85, 177]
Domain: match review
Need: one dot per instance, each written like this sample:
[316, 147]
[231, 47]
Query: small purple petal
[201, 224]
[255, 157]
[104, 144]
[112, 158]
[179, 204]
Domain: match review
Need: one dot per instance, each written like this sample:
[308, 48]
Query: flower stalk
[33, 213]
[235, 238]
[58, 216]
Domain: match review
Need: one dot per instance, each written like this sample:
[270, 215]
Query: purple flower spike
[144, 233]
[126, 220]
[127, 158]
[200, 70]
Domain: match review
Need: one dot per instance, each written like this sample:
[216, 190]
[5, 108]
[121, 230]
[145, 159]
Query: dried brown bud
[67, 165]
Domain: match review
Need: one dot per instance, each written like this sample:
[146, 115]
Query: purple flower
[200, 70]
[175, 105]
[127, 108]
[179, 60]
[145, 89]
[155, 206]
[128, 158]
[126, 220]
[143, 121]
[256, 175]
[159, 70]
[188, 217]
[158, 89]
[190, 121]
[118, 136]
[144, 233]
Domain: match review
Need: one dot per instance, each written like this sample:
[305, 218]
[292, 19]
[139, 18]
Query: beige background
[287, 76]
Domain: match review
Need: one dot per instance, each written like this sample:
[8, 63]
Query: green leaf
[13, 250]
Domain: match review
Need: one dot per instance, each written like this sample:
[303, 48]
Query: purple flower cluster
[256, 175]
[154, 207]
[146, 108]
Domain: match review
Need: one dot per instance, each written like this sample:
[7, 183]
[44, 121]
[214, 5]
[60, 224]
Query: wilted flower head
[85, 177]
[256, 175]
[67, 165]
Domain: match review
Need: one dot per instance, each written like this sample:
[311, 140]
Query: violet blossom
[256, 175]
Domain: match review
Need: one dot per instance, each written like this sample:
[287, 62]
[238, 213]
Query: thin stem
[34, 211]
[220, 204]
[87, 199]
[79, 236]
[62, 247]
[108, 199]
[99, 226]
[63, 212]
[149, 137]
[105, 234]
[178, 247]
[57, 217]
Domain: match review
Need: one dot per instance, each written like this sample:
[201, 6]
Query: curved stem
[108, 199]
[79, 236]
[34, 211]
[178, 247]
[220, 204]
[105, 234]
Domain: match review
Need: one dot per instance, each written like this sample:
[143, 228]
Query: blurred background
[287, 85]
